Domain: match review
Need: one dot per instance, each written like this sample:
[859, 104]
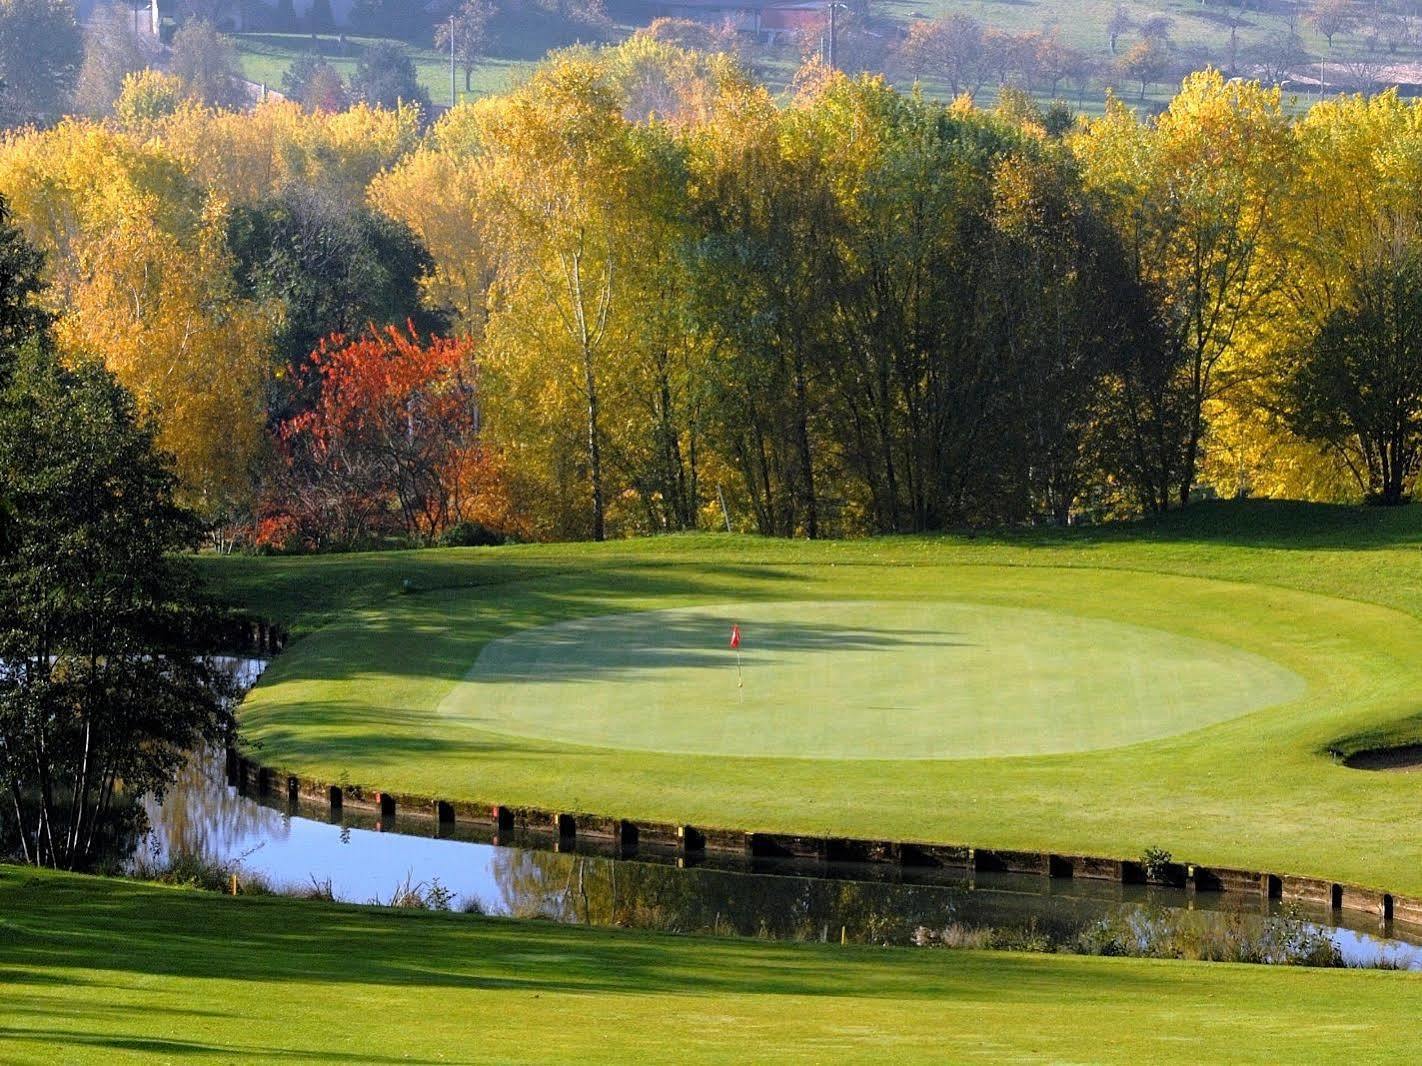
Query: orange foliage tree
[386, 445]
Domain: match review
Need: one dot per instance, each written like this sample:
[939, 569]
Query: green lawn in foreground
[113, 971]
[1332, 595]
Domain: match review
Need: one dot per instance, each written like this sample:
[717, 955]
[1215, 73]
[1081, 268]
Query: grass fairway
[98, 970]
[1176, 684]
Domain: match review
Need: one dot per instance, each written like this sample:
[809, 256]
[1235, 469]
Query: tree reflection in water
[201, 816]
[595, 891]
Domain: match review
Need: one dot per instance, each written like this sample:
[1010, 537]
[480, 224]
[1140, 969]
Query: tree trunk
[594, 449]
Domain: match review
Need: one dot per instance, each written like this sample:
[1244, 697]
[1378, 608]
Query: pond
[363, 858]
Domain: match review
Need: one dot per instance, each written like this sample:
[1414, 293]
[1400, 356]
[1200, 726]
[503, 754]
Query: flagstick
[740, 681]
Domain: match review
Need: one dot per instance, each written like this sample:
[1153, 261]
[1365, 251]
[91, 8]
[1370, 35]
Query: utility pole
[833, 28]
[453, 89]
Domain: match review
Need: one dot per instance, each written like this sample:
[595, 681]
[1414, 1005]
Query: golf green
[1187, 684]
[859, 680]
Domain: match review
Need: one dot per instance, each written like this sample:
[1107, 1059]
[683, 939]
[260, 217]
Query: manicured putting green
[857, 680]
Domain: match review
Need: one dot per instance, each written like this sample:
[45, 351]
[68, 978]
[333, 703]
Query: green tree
[41, 48]
[319, 17]
[314, 84]
[385, 76]
[1358, 386]
[102, 630]
[330, 267]
[21, 316]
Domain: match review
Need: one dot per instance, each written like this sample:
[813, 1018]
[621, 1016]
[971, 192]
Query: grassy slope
[94, 969]
[356, 698]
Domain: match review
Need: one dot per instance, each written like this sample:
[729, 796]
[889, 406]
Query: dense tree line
[683, 301]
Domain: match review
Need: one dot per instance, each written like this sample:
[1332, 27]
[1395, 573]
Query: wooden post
[444, 812]
[690, 838]
[336, 798]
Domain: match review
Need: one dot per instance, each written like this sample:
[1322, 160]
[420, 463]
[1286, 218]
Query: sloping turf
[108, 971]
[1331, 596]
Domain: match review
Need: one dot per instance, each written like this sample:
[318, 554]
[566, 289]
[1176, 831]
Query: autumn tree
[437, 192]
[112, 51]
[205, 62]
[1119, 23]
[1146, 62]
[1347, 242]
[141, 279]
[1330, 18]
[146, 98]
[691, 34]
[765, 264]
[1197, 195]
[558, 168]
[391, 432]
[466, 33]
[950, 48]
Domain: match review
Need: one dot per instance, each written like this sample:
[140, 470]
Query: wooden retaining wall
[627, 835]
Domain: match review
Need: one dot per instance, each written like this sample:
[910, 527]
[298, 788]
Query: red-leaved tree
[386, 445]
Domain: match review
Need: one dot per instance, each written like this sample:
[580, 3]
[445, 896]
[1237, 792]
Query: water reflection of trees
[593, 891]
[202, 816]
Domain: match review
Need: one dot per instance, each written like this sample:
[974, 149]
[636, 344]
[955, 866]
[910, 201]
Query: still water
[526, 876]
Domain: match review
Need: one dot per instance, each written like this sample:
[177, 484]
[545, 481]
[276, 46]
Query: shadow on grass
[1281, 524]
[63, 926]
[635, 647]
[180, 1050]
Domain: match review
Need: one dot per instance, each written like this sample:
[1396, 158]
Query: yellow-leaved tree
[1197, 195]
[140, 279]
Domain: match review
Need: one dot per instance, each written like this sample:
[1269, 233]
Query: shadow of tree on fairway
[170, 1049]
[66, 927]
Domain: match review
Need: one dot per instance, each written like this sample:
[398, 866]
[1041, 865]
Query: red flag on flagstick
[735, 637]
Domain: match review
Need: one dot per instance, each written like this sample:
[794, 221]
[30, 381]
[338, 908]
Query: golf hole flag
[736, 647]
